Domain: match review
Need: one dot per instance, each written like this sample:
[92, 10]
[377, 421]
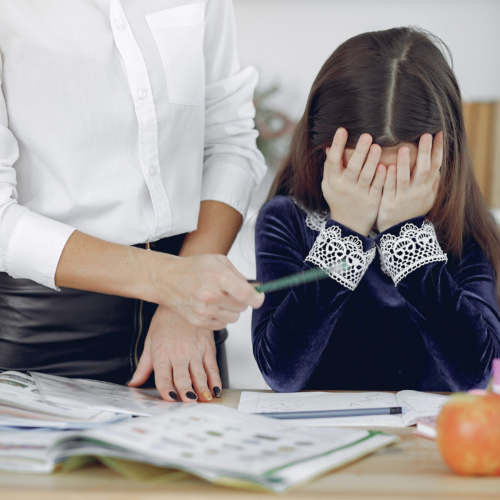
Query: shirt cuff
[228, 183]
[407, 246]
[35, 248]
[342, 253]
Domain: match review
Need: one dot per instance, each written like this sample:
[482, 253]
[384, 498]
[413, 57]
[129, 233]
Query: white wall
[289, 40]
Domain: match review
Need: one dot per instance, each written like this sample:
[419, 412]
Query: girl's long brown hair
[395, 85]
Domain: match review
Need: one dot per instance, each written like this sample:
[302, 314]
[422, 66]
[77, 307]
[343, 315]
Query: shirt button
[119, 23]
[152, 171]
[142, 94]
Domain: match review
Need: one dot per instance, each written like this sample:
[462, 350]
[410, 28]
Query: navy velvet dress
[437, 330]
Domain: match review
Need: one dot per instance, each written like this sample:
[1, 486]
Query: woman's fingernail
[191, 395]
[217, 392]
[206, 395]
[173, 395]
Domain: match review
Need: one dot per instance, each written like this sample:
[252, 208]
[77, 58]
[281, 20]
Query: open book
[417, 404]
[213, 442]
[22, 405]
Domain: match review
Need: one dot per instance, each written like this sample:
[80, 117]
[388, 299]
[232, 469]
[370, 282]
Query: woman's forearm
[92, 264]
[204, 290]
[218, 225]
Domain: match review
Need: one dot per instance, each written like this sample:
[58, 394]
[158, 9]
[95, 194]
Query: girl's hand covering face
[354, 193]
[408, 195]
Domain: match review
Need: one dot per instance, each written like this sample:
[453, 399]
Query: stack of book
[213, 442]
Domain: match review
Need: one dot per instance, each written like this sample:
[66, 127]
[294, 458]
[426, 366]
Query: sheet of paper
[420, 404]
[416, 403]
[18, 390]
[264, 402]
[215, 437]
[94, 395]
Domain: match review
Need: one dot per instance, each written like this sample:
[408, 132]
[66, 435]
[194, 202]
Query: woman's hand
[411, 194]
[182, 357]
[354, 193]
[207, 291]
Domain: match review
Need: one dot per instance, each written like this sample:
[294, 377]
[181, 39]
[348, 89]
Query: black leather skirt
[73, 333]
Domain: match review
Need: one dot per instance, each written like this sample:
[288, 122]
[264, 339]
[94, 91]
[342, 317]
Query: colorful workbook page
[213, 442]
[20, 401]
[229, 441]
[416, 403]
[104, 396]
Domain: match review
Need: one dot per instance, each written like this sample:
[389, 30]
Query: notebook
[417, 404]
[213, 442]
[426, 427]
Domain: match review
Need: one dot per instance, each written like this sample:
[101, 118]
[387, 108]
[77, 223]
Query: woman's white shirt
[118, 119]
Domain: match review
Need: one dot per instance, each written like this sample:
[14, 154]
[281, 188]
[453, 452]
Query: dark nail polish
[217, 392]
[191, 395]
[173, 395]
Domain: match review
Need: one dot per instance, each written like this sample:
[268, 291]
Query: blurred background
[289, 40]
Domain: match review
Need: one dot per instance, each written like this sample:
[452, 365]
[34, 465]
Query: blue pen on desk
[354, 412]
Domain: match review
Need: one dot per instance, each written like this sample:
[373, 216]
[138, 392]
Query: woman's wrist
[156, 276]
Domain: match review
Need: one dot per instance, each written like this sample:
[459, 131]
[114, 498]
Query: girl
[392, 212]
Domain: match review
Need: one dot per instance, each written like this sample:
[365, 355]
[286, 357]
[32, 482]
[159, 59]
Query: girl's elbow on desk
[282, 382]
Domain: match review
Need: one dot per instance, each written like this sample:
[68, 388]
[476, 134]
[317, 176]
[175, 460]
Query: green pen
[301, 278]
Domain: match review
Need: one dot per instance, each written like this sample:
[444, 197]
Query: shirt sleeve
[454, 304]
[30, 245]
[293, 327]
[233, 166]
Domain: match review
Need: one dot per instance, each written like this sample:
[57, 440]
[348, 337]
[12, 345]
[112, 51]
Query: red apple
[468, 434]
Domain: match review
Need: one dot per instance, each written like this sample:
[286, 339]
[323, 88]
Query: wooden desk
[411, 469]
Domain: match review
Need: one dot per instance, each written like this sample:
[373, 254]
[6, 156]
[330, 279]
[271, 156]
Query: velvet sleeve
[455, 306]
[293, 327]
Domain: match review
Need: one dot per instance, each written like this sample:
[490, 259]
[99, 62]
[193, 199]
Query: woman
[122, 124]
[421, 312]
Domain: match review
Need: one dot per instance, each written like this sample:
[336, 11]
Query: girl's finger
[212, 371]
[334, 154]
[182, 381]
[403, 169]
[164, 381]
[390, 183]
[436, 158]
[199, 378]
[423, 158]
[367, 173]
[378, 180]
[358, 158]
